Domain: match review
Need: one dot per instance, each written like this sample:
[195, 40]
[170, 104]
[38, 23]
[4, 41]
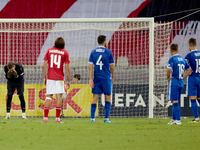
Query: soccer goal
[138, 46]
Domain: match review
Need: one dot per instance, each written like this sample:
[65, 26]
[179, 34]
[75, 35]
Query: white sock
[45, 118]
[58, 118]
[197, 119]
[8, 114]
[23, 114]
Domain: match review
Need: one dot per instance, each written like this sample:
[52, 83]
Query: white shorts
[55, 87]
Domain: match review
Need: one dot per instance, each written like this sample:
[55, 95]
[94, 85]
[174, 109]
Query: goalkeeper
[14, 73]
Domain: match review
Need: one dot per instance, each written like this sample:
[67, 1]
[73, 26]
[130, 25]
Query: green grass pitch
[79, 133]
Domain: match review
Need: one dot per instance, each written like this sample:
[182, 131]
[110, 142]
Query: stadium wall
[126, 103]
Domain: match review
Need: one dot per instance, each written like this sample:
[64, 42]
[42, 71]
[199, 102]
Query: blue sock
[173, 115]
[107, 109]
[93, 109]
[194, 108]
[177, 111]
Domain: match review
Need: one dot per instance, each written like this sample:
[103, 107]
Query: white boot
[8, 116]
[23, 116]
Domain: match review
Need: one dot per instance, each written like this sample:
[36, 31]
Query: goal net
[138, 46]
[162, 41]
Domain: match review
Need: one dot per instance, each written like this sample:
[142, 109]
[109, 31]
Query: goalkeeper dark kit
[15, 80]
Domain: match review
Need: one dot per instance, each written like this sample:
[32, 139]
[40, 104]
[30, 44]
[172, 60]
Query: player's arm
[188, 70]
[91, 83]
[7, 73]
[187, 73]
[67, 68]
[45, 71]
[112, 73]
[169, 69]
[91, 65]
[111, 62]
[21, 71]
[168, 74]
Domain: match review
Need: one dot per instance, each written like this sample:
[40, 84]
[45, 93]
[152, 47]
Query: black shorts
[11, 86]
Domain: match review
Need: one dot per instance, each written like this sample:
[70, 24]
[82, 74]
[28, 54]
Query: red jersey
[56, 59]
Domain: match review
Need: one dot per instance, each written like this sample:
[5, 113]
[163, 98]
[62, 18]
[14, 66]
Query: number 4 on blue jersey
[99, 62]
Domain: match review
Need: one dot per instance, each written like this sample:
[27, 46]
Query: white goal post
[131, 40]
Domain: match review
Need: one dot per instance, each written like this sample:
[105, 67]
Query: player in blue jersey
[193, 81]
[101, 59]
[175, 73]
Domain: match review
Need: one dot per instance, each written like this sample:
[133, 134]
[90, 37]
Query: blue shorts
[102, 86]
[193, 86]
[174, 93]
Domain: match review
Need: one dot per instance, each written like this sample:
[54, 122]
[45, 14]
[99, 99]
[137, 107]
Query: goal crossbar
[75, 20]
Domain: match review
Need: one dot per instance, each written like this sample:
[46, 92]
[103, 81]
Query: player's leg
[174, 96]
[47, 105]
[107, 108]
[170, 98]
[50, 89]
[93, 107]
[60, 89]
[198, 94]
[177, 109]
[198, 98]
[107, 89]
[20, 92]
[23, 105]
[177, 113]
[194, 108]
[198, 89]
[58, 108]
[10, 91]
[97, 90]
[173, 115]
[191, 90]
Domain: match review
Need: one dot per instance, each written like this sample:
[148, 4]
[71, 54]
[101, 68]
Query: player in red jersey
[55, 58]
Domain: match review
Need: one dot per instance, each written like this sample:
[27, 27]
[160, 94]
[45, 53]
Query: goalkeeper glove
[15, 73]
[9, 74]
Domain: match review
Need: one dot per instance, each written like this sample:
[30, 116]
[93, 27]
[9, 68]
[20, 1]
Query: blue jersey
[177, 64]
[102, 58]
[193, 59]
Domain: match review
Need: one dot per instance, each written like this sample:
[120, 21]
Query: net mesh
[162, 40]
[26, 43]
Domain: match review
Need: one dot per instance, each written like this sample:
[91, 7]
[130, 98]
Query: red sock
[58, 111]
[46, 112]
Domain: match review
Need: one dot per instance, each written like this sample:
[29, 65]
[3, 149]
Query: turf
[124, 133]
